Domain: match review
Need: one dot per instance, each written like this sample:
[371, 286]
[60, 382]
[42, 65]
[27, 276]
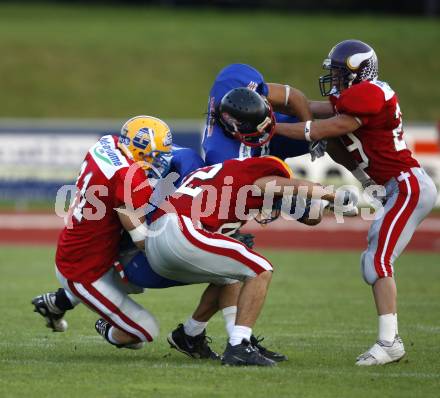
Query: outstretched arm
[277, 185]
[319, 129]
[289, 100]
[338, 152]
[321, 109]
[329, 128]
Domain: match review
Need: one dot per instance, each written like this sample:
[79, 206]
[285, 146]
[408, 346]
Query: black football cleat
[103, 328]
[195, 347]
[245, 354]
[44, 305]
[274, 356]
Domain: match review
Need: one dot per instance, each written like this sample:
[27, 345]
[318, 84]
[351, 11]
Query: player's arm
[339, 153]
[135, 225]
[277, 185]
[316, 130]
[321, 109]
[132, 194]
[289, 100]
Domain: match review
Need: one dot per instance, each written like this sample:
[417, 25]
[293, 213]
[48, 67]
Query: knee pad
[367, 268]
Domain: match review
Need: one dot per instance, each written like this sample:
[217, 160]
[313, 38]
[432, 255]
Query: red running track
[43, 229]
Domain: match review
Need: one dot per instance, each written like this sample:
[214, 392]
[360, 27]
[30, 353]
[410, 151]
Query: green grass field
[100, 61]
[318, 312]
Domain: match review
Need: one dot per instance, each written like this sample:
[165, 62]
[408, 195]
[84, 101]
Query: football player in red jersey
[249, 115]
[188, 244]
[113, 191]
[368, 120]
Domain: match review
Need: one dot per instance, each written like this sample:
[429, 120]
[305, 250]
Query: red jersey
[89, 245]
[222, 197]
[378, 144]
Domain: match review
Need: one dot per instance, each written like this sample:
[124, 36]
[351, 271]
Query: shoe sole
[383, 364]
[276, 359]
[173, 344]
[242, 363]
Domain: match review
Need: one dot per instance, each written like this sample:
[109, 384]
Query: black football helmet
[349, 62]
[247, 116]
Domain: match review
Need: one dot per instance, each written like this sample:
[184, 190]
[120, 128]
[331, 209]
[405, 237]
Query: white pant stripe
[226, 244]
[114, 317]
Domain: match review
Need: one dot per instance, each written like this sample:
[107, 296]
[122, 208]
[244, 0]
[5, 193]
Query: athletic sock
[387, 327]
[194, 328]
[229, 315]
[62, 301]
[240, 333]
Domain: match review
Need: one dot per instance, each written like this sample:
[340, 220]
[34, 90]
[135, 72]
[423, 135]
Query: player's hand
[346, 201]
[317, 149]
[246, 239]
[368, 183]
[374, 192]
[346, 197]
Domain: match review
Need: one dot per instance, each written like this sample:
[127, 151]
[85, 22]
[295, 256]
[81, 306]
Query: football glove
[346, 202]
[246, 239]
[317, 149]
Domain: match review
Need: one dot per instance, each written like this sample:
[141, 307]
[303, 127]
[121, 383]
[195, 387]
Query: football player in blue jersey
[289, 105]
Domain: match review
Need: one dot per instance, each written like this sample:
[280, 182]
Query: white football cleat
[382, 353]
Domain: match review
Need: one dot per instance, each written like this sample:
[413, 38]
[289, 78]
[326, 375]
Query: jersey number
[201, 175]
[81, 199]
[357, 146]
[399, 142]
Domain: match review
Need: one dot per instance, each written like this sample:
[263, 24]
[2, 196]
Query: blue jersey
[181, 162]
[217, 145]
[184, 161]
[139, 272]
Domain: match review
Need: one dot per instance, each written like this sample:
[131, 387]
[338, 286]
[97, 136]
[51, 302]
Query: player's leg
[192, 255]
[123, 322]
[213, 299]
[190, 337]
[52, 306]
[250, 303]
[412, 199]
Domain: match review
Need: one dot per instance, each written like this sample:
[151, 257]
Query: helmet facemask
[339, 78]
[159, 164]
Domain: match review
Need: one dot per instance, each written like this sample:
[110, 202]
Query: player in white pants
[189, 255]
[365, 114]
[410, 198]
